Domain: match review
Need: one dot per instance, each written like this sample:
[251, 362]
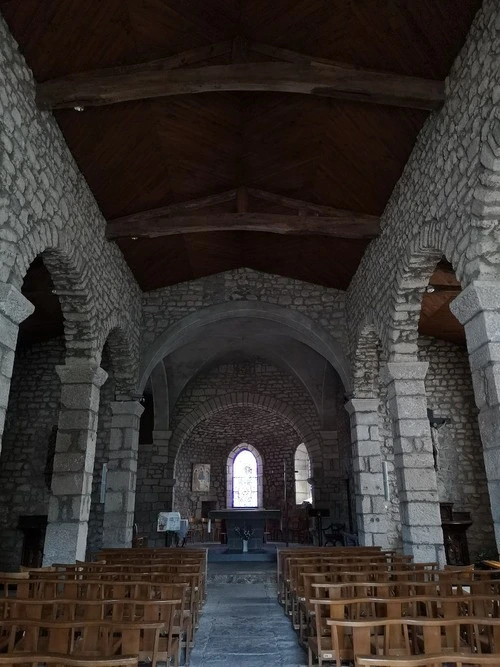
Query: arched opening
[29, 438]
[456, 440]
[303, 487]
[244, 482]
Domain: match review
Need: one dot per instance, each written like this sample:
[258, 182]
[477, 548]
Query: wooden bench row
[88, 611]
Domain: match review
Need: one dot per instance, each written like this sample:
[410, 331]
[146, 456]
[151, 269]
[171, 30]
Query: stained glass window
[303, 488]
[245, 480]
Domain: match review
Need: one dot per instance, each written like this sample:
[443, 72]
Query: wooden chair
[429, 660]
[36, 659]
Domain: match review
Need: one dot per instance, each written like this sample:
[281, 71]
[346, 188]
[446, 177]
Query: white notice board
[169, 521]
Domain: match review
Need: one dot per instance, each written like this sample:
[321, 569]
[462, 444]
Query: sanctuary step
[242, 573]
[220, 553]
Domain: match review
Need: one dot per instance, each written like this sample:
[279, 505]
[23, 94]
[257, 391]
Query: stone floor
[242, 625]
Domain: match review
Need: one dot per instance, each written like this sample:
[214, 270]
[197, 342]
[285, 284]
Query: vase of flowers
[245, 534]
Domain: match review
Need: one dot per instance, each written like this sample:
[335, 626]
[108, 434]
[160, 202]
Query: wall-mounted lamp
[436, 422]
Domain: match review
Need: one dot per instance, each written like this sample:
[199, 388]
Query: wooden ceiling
[312, 146]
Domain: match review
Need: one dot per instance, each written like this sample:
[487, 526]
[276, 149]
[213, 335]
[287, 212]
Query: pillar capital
[480, 295]
[14, 305]
[362, 405]
[82, 372]
[132, 408]
[404, 370]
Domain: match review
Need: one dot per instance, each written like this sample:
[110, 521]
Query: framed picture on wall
[201, 477]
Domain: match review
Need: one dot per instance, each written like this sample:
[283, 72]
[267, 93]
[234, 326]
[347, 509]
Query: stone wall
[460, 465]
[329, 450]
[438, 204]
[32, 414]
[164, 307]
[46, 207]
[214, 439]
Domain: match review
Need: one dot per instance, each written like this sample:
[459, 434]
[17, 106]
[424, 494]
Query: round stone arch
[400, 331]
[295, 324]
[70, 276]
[124, 358]
[230, 477]
[246, 399]
[485, 237]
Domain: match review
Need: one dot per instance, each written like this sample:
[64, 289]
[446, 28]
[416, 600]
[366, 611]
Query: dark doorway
[33, 529]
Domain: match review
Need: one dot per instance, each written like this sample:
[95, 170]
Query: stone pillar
[121, 479]
[371, 505]
[155, 484]
[69, 505]
[422, 534]
[14, 308]
[478, 309]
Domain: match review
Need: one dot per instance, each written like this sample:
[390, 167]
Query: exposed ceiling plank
[349, 225]
[299, 204]
[151, 80]
[182, 207]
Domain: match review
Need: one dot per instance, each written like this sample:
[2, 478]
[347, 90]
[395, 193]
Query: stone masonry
[328, 450]
[25, 463]
[460, 467]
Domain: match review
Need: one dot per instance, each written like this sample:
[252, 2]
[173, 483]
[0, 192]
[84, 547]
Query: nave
[242, 623]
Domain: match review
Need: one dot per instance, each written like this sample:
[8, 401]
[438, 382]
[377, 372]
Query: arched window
[303, 488]
[244, 477]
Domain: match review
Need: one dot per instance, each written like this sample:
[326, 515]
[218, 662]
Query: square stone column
[371, 512]
[14, 308]
[121, 479]
[155, 486]
[69, 505]
[422, 533]
[478, 309]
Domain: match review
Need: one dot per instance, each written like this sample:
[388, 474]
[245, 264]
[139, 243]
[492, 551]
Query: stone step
[245, 577]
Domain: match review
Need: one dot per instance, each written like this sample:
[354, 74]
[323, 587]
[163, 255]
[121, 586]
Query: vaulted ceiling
[201, 158]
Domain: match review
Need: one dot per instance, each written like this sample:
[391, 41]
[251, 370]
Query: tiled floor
[242, 625]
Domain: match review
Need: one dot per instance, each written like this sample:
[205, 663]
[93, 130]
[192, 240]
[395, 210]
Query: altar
[251, 518]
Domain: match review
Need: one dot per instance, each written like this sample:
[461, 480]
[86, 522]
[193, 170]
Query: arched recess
[295, 324]
[36, 358]
[123, 360]
[230, 474]
[428, 246]
[70, 276]
[267, 403]
[289, 356]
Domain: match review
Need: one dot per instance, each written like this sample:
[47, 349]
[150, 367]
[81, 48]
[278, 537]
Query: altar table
[252, 518]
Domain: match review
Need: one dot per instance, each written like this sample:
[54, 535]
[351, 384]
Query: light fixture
[134, 238]
[436, 422]
[430, 289]
[79, 107]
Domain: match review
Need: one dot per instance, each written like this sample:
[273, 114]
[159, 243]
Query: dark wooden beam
[306, 76]
[346, 224]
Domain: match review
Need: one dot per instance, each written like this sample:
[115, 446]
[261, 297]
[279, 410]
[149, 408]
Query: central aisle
[242, 625]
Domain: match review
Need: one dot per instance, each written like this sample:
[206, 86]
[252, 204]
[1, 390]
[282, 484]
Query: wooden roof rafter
[195, 216]
[285, 71]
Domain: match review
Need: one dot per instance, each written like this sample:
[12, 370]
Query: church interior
[250, 263]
